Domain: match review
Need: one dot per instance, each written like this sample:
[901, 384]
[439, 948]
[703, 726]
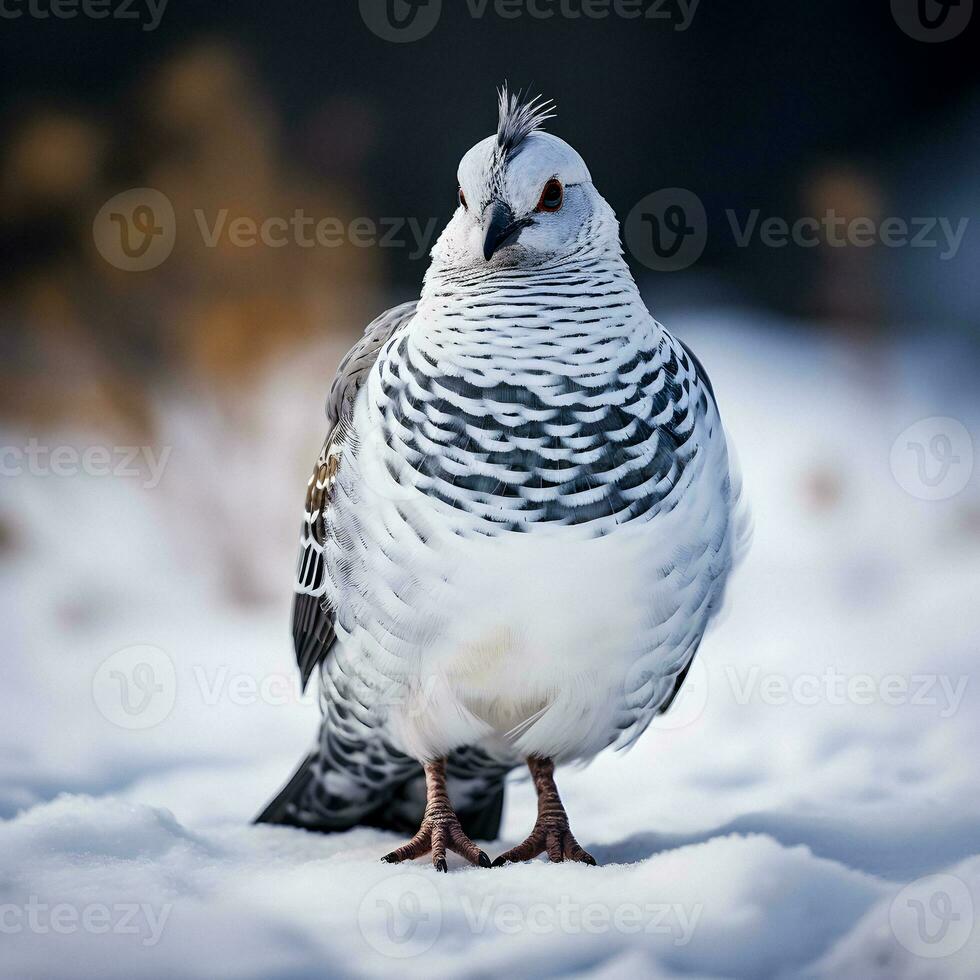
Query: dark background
[743, 107]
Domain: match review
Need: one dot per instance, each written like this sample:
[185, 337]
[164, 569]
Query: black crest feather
[518, 118]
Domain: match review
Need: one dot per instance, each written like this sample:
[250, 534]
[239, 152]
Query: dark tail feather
[401, 807]
[278, 810]
[484, 824]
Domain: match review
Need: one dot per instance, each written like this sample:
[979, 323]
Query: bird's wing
[699, 371]
[736, 528]
[313, 619]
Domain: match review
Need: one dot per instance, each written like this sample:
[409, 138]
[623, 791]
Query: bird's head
[525, 197]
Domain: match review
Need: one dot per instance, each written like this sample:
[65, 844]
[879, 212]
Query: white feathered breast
[533, 519]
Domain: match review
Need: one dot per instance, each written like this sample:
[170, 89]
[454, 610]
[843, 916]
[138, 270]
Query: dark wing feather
[698, 368]
[313, 632]
[313, 619]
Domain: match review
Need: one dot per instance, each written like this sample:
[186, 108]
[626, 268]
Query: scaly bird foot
[438, 834]
[553, 839]
[441, 829]
[550, 835]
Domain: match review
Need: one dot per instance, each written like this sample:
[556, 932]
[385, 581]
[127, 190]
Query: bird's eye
[552, 196]
[462, 197]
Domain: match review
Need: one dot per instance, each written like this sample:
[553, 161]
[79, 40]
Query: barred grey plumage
[523, 516]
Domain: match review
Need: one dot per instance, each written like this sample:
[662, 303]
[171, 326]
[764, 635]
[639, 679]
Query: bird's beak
[501, 227]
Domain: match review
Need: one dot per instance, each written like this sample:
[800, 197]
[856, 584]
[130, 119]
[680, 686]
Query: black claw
[389, 858]
[484, 860]
[590, 860]
[500, 862]
[441, 865]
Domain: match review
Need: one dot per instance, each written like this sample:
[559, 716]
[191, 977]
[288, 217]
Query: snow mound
[103, 887]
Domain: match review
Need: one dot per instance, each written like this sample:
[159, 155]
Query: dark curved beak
[502, 229]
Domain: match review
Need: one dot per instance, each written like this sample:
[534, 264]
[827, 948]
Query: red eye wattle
[552, 196]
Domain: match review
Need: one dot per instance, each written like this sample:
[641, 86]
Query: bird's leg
[440, 828]
[550, 834]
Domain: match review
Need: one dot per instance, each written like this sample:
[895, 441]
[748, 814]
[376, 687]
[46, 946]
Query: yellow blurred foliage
[88, 341]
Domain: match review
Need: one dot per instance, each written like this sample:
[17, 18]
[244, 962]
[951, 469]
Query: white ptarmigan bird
[520, 524]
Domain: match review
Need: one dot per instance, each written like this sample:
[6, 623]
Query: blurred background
[201, 206]
[226, 106]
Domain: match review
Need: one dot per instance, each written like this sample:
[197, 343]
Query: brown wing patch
[319, 487]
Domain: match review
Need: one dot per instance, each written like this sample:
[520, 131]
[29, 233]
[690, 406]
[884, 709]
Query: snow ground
[809, 808]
